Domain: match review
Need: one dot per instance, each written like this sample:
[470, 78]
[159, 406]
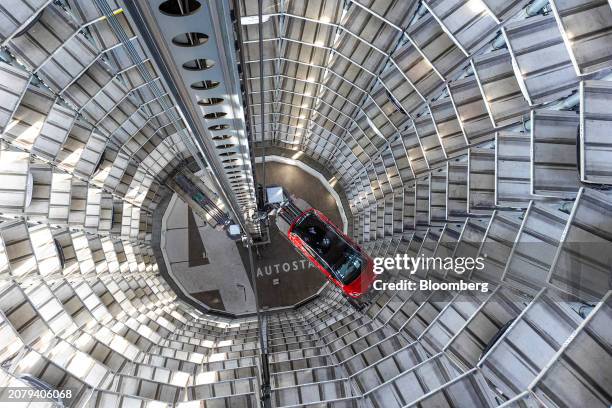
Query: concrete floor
[217, 277]
[211, 267]
[284, 277]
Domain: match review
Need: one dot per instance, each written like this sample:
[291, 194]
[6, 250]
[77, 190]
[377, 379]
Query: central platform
[284, 277]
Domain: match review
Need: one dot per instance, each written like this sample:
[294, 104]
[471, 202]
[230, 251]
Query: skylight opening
[477, 6]
[250, 20]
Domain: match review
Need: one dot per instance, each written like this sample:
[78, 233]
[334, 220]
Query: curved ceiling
[385, 94]
[477, 128]
[80, 117]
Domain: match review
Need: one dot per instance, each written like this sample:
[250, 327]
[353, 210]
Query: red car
[332, 252]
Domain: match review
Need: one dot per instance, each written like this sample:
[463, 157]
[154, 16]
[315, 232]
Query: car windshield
[330, 248]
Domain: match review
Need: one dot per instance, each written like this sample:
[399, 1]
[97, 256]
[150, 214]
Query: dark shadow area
[197, 252]
[211, 298]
